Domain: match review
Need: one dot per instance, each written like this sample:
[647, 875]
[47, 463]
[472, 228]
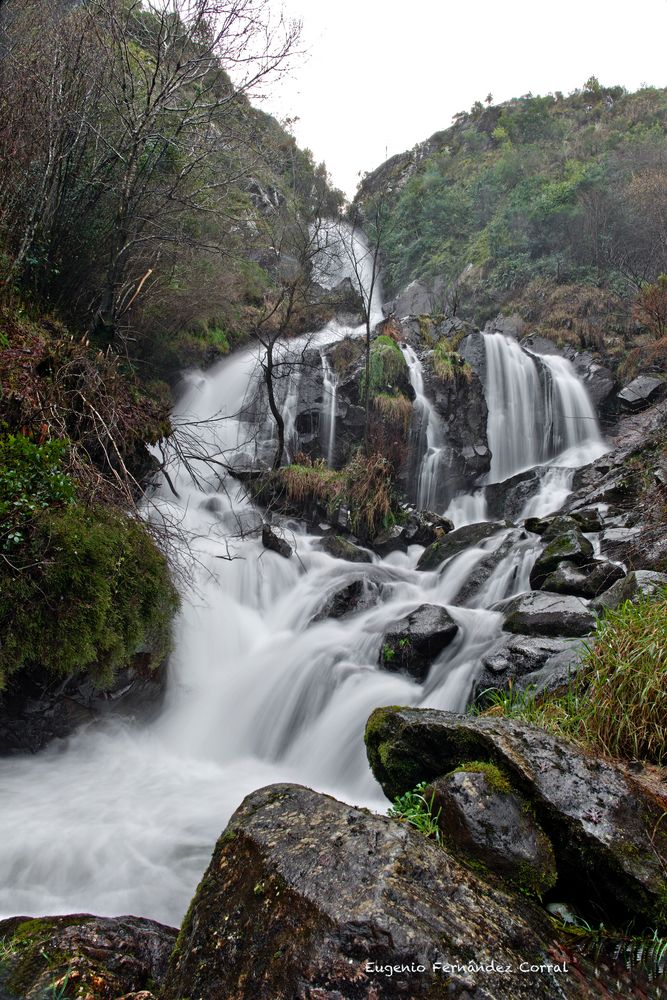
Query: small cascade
[328, 411]
[538, 410]
[427, 440]
[539, 416]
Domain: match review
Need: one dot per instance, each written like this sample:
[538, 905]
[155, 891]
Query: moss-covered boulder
[82, 956]
[308, 897]
[92, 603]
[455, 542]
[606, 831]
[570, 545]
[484, 821]
[341, 548]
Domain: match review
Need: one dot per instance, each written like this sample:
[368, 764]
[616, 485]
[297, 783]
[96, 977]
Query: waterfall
[539, 415]
[427, 438]
[538, 410]
[122, 816]
[328, 412]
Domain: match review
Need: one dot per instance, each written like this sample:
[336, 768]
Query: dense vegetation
[554, 206]
[145, 207]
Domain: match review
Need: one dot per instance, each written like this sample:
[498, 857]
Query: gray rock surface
[605, 829]
[416, 640]
[583, 581]
[641, 392]
[515, 657]
[542, 613]
[638, 583]
[303, 892]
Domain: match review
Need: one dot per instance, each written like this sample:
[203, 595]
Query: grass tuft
[617, 704]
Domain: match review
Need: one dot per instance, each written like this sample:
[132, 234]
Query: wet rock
[416, 640]
[621, 543]
[508, 499]
[82, 955]
[473, 583]
[583, 581]
[571, 546]
[559, 525]
[356, 596]
[598, 379]
[638, 583]
[424, 527]
[304, 893]
[390, 540]
[556, 674]
[605, 830]
[589, 520]
[455, 542]
[640, 393]
[341, 548]
[483, 819]
[541, 613]
[461, 405]
[414, 300]
[514, 657]
[271, 541]
[37, 711]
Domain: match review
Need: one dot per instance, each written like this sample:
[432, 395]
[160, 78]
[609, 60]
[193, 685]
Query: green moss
[496, 779]
[387, 365]
[95, 592]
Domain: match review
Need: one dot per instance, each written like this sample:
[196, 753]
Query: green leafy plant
[388, 653]
[31, 479]
[415, 809]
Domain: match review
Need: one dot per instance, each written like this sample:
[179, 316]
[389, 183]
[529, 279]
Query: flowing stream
[122, 817]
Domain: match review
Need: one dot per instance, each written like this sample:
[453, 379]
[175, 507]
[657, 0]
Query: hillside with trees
[552, 207]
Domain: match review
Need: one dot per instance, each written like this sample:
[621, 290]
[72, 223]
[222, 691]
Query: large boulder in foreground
[84, 956]
[305, 896]
[608, 835]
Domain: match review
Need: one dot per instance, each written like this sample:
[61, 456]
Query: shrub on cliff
[86, 591]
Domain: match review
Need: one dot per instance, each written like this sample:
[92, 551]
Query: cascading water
[328, 415]
[539, 415]
[427, 438]
[121, 817]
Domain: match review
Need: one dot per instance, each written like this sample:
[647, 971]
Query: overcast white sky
[381, 75]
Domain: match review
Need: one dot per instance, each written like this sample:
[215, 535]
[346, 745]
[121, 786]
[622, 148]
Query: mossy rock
[606, 831]
[97, 591]
[81, 955]
[484, 820]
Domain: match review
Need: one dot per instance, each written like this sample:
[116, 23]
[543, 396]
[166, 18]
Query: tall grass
[617, 704]
[364, 485]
